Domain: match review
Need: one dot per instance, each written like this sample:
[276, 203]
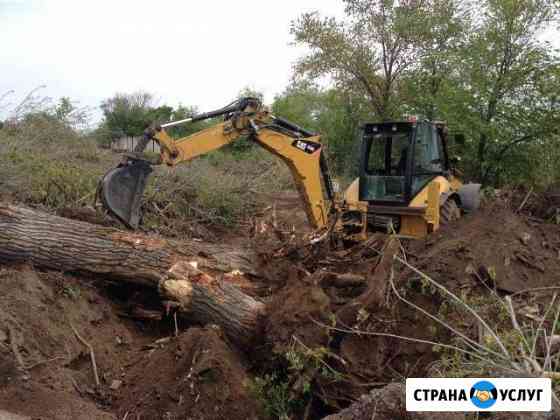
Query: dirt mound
[196, 376]
[291, 312]
[286, 210]
[45, 370]
[540, 205]
[495, 247]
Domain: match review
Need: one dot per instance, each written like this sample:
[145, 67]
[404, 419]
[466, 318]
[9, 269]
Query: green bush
[285, 391]
[274, 396]
[52, 183]
[44, 162]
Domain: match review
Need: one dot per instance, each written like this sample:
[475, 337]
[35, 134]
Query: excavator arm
[301, 150]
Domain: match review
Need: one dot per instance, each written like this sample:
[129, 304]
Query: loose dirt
[312, 296]
[198, 376]
[45, 371]
[496, 247]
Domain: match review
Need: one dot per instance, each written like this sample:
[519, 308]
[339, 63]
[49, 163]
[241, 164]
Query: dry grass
[221, 190]
[45, 163]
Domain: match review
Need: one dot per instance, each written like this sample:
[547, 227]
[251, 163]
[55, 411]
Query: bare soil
[495, 243]
[146, 372]
[53, 377]
[198, 376]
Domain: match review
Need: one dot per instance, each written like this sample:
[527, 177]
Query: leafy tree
[300, 103]
[442, 35]
[479, 65]
[69, 113]
[250, 92]
[183, 112]
[368, 53]
[330, 112]
[128, 114]
[160, 115]
[506, 91]
[63, 109]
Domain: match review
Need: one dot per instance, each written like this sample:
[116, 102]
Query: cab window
[428, 157]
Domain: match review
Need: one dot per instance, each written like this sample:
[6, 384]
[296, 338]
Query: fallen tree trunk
[171, 268]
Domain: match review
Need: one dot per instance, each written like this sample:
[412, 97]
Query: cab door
[428, 158]
[385, 162]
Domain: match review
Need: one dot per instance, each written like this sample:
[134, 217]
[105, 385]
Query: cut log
[169, 267]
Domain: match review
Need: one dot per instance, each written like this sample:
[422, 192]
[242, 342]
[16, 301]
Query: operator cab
[399, 159]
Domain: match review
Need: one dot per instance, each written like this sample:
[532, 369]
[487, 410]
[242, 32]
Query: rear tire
[449, 212]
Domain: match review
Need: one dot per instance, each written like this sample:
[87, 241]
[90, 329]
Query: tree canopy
[129, 114]
[481, 66]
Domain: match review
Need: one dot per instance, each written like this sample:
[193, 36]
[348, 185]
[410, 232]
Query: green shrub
[49, 182]
[285, 391]
[43, 162]
[274, 396]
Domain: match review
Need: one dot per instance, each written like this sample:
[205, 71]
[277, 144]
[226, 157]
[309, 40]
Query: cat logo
[306, 146]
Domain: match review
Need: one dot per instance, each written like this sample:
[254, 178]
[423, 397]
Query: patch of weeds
[220, 189]
[57, 184]
[88, 152]
[274, 395]
[40, 180]
[307, 363]
[487, 306]
[286, 392]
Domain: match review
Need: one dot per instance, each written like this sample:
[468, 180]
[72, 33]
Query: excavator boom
[121, 189]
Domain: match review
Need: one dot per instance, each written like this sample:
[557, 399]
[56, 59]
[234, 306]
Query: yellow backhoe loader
[405, 184]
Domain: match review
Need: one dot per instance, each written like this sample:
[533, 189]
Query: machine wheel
[449, 212]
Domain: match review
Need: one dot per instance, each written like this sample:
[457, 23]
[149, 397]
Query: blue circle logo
[484, 394]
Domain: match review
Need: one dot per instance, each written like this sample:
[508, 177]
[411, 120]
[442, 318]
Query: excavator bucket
[121, 190]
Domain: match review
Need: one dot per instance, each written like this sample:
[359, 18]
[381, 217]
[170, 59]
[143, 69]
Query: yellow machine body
[427, 204]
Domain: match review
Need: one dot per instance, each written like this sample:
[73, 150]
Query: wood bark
[169, 267]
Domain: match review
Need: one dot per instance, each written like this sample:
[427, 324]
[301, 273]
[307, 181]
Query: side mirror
[459, 139]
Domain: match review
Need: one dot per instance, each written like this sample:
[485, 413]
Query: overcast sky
[199, 52]
[194, 52]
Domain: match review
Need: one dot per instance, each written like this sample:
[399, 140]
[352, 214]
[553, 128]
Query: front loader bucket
[121, 191]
